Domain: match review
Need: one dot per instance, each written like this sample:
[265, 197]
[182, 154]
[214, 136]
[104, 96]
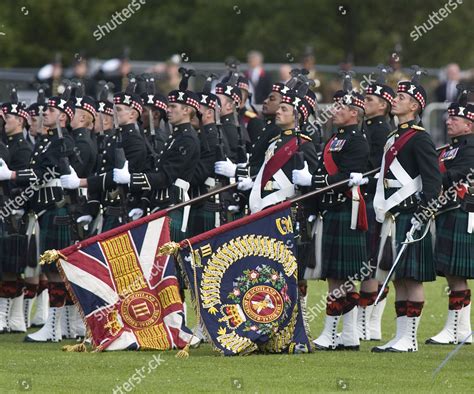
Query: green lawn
[45, 368]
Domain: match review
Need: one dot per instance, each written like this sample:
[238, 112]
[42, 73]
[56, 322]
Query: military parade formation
[385, 206]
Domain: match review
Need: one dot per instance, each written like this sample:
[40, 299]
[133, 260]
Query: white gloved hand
[84, 220]
[121, 175]
[311, 218]
[356, 179]
[225, 168]
[135, 213]
[416, 223]
[302, 177]
[5, 172]
[245, 184]
[233, 208]
[70, 181]
[18, 213]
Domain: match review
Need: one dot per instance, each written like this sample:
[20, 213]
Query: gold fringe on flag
[51, 256]
[168, 249]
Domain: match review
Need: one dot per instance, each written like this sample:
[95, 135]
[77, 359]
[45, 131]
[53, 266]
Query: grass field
[45, 368]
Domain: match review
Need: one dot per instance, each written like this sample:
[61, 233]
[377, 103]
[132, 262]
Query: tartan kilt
[52, 235]
[454, 250]
[14, 253]
[110, 222]
[176, 236]
[343, 250]
[417, 261]
[372, 236]
[202, 218]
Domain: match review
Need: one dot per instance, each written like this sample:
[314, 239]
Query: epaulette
[416, 127]
[306, 137]
[250, 114]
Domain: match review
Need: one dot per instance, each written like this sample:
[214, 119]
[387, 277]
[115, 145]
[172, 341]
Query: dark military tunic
[155, 144]
[230, 135]
[178, 161]
[85, 153]
[48, 201]
[454, 250]
[259, 147]
[102, 187]
[13, 260]
[377, 131]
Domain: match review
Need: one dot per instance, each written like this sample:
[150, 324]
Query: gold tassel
[50, 257]
[79, 348]
[168, 249]
[184, 352]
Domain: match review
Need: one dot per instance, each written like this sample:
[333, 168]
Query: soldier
[409, 179]
[205, 215]
[378, 103]
[454, 224]
[36, 282]
[119, 206]
[269, 131]
[341, 222]
[48, 160]
[13, 259]
[169, 182]
[250, 124]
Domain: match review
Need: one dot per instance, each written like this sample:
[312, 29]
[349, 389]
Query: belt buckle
[385, 183]
[268, 186]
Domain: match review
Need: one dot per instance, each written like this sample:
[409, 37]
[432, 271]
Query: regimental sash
[358, 203]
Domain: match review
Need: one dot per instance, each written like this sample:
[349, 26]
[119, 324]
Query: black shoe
[355, 348]
[377, 349]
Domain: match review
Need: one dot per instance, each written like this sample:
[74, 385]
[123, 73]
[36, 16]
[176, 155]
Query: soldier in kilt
[49, 204]
[378, 103]
[408, 181]
[454, 250]
[13, 257]
[342, 220]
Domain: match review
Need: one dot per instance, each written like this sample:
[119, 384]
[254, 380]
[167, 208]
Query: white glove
[356, 179]
[311, 218]
[233, 208]
[70, 181]
[5, 173]
[302, 177]
[135, 213]
[225, 168]
[416, 223]
[18, 213]
[245, 184]
[84, 220]
[121, 175]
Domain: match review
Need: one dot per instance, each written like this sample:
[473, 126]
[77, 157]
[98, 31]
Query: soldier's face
[271, 103]
[50, 116]
[374, 106]
[125, 114]
[12, 124]
[34, 125]
[403, 104]
[285, 117]
[457, 126]
[177, 113]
